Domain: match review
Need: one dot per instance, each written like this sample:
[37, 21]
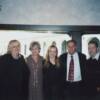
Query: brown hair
[35, 43]
[47, 56]
[94, 42]
[73, 41]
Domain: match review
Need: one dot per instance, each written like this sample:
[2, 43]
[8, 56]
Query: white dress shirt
[96, 56]
[77, 70]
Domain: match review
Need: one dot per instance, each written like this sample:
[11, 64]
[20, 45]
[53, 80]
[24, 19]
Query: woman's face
[52, 53]
[35, 51]
[15, 49]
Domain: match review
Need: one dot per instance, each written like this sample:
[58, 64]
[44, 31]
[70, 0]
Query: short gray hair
[35, 43]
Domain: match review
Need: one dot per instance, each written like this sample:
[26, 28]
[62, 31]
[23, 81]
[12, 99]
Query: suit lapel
[66, 56]
[81, 64]
[80, 60]
[66, 60]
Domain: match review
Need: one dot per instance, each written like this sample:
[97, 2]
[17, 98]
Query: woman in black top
[52, 74]
[14, 74]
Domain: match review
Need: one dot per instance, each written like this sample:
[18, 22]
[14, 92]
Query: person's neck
[72, 53]
[35, 58]
[15, 56]
[52, 60]
[95, 55]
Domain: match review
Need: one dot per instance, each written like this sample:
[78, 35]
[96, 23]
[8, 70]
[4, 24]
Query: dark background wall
[51, 12]
[74, 31]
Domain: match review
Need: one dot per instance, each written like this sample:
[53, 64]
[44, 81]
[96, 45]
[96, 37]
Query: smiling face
[14, 48]
[52, 52]
[35, 50]
[71, 47]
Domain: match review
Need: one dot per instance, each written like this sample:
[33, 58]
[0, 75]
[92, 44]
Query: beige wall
[50, 12]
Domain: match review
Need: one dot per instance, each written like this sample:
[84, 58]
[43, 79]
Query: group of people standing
[68, 77]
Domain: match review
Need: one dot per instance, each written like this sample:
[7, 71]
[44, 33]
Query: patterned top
[35, 80]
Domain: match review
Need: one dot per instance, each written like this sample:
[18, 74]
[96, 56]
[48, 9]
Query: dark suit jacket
[82, 60]
[93, 75]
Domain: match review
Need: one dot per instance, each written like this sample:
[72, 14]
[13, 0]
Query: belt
[73, 83]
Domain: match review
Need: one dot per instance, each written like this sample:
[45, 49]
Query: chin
[17, 53]
[71, 53]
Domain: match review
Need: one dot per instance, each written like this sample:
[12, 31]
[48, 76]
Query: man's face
[71, 47]
[15, 49]
[92, 49]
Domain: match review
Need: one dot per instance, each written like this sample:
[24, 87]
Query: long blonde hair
[47, 60]
[10, 44]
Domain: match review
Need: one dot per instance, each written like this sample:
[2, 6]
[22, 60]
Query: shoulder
[5, 56]
[45, 64]
[89, 59]
[5, 59]
[99, 58]
[22, 58]
[27, 58]
[63, 55]
[81, 54]
[41, 57]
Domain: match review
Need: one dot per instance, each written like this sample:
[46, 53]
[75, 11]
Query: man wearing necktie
[73, 63]
[93, 71]
[71, 70]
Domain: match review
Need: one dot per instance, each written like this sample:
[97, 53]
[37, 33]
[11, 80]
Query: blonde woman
[52, 74]
[14, 74]
[35, 64]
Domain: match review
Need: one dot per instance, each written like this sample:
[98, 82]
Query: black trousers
[53, 93]
[74, 91]
[92, 93]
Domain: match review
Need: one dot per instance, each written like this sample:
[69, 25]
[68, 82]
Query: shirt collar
[73, 54]
[96, 56]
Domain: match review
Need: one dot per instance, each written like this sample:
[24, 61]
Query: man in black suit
[73, 64]
[93, 70]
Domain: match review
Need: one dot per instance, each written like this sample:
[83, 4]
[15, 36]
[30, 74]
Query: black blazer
[82, 60]
[93, 72]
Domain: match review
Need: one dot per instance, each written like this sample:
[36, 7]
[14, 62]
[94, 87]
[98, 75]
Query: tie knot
[72, 56]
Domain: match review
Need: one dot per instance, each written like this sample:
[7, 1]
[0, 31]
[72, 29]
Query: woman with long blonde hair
[52, 75]
[52, 55]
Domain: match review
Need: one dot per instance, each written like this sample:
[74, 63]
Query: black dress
[14, 76]
[52, 82]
